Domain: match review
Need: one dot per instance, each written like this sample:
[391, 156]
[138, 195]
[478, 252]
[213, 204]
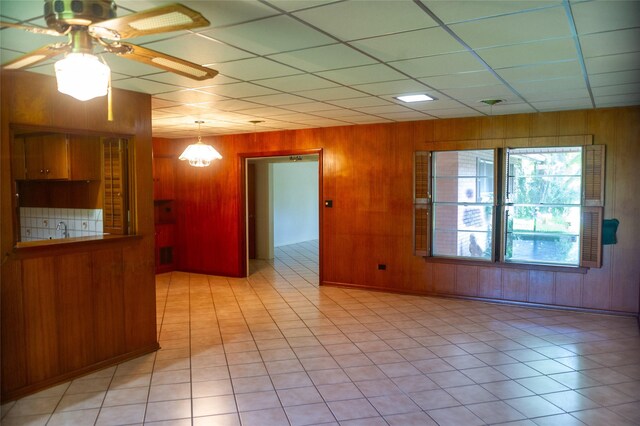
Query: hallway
[277, 349]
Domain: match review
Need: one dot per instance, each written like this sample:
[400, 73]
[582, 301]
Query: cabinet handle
[41, 170]
[47, 171]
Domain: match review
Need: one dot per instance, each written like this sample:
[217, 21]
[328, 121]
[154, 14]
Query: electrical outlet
[382, 267]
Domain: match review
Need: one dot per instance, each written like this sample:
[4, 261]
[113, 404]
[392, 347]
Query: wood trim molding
[242, 226]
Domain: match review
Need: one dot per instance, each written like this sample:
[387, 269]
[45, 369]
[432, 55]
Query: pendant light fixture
[200, 154]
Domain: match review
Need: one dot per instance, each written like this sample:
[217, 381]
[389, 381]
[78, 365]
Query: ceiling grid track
[468, 48]
[576, 40]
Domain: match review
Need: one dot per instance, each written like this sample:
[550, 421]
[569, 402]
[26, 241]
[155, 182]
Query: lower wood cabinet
[74, 312]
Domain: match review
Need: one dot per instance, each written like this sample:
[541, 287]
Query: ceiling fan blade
[173, 17]
[31, 28]
[37, 56]
[164, 61]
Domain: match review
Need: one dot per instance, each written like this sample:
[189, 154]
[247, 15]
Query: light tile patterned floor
[277, 349]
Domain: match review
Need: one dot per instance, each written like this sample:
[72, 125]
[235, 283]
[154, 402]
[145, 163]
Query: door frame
[242, 228]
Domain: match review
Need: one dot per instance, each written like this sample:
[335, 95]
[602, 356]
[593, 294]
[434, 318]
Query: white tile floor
[277, 349]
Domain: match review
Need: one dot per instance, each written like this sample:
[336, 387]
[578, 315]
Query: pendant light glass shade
[200, 154]
[82, 76]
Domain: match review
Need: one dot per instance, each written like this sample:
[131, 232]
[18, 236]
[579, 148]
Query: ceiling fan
[93, 23]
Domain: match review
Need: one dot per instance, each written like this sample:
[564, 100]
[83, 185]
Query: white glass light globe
[200, 155]
[82, 76]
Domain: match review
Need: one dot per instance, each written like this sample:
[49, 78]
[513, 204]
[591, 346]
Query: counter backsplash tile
[40, 223]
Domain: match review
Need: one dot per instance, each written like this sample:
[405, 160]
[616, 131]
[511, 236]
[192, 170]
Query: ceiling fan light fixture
[200, 154]
[82, 76]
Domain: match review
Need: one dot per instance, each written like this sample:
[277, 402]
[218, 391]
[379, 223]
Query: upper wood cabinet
[163, 178]
[56, 156]
[46, 157]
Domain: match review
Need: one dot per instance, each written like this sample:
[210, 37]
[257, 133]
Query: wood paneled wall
[72, 308]
[367, 172]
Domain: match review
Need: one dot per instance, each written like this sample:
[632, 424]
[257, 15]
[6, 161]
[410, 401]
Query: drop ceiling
[294, 64]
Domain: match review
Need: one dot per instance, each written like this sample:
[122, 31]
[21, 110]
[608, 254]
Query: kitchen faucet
[63, 226]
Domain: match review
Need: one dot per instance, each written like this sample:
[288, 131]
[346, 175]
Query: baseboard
[486, 300]
[36, 387]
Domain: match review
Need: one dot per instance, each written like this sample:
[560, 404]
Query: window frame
[591, 208]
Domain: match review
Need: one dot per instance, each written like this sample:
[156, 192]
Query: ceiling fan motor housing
[60, 14]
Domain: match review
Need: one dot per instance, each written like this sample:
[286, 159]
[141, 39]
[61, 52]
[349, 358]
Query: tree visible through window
[543, 205]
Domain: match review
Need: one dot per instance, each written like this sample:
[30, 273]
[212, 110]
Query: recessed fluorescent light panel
[414, 98]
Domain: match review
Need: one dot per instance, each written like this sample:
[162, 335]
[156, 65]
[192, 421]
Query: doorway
[282, 194]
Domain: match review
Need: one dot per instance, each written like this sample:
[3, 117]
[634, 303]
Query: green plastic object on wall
[609, 228]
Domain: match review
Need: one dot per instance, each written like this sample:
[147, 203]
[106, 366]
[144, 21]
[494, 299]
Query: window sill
[490, 264]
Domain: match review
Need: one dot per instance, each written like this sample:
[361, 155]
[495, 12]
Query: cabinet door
[55, 156]
[84, 157]
[33, 157]
[163, 178]
[18, 166]
[46, 157]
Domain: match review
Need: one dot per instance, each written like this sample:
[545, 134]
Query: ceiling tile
[255, 69]
[613, 63]
[143, 86]
[557, 95]
[292, 5]
[362, 75]
[198, 49]
[330, 94]
[228, 12]
[352, 20]
[451, 63]
[618, 100]
[466, 79]
[323, 58]
[279, 99]
[265, 111]
[259, 36]
[239, 90]
[541, 71]
[395, 88]
[296, 83]
[454, 112]
[189, 83]
[610, 43]
[384, 109]
[405, 116]
[529, 53]
[506, 108]
[228, 105]
[459, 11]
[21, 10]
[480, 92]
[541, 88]
[612, 78]
[621, 89]
[360, 102]
[597, 16]
[512, 29]
[563, 104]
[309, 106]
[412, 44]
[189, 96]
[22, 41]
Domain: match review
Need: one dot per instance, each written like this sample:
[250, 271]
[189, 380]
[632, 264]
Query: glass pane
[462, 230]
[541, 177]
[543, 234]
[454, 190]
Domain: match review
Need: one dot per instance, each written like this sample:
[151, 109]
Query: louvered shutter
[421, 203]
[593, 172]
[115, 208]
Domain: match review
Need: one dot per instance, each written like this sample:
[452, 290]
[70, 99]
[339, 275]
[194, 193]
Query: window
[549, 202]
[543, 205]
[462, 204]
